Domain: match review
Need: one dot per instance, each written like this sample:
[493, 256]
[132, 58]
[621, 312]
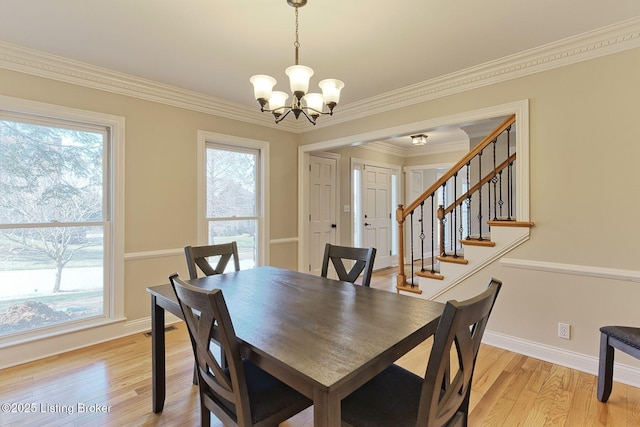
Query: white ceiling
[214, 46]
[376, 47]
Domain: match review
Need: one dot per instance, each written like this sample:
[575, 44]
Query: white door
[322, 208]
[376, 212]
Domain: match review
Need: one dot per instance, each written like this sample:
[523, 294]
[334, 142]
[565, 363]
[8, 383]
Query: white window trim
[116, 125]
[204, 137]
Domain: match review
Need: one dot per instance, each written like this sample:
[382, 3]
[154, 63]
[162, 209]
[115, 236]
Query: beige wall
[584, 152]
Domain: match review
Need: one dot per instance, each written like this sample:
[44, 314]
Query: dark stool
[624, 338]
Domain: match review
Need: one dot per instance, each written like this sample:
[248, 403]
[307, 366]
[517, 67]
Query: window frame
[114, 210]
[205, 139]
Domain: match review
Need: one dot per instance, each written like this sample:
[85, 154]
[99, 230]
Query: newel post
[401, 279]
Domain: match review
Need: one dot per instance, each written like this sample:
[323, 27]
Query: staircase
[464, 221]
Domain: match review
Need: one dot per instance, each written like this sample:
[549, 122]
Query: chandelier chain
[296, 44]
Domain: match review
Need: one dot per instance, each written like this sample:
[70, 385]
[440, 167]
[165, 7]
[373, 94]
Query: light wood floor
[508, 390]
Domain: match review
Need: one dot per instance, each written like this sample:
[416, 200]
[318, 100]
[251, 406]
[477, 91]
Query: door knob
[366, 223]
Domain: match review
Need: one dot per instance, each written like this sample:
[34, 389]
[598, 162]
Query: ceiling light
[419, 139]
[311, 105]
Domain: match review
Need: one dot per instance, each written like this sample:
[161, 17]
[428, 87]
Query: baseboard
[622, 373]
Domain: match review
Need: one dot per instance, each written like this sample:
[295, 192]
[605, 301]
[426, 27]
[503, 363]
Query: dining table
[323, 337]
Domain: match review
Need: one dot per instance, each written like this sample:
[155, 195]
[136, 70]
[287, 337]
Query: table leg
[158, 380]
[326, 409]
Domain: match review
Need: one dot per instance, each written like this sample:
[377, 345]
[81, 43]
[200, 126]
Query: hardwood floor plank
[559, 408]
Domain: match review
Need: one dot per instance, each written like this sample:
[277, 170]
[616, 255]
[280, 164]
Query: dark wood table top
[319, 335]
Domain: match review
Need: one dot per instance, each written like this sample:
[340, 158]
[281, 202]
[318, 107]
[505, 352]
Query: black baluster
[455, 217]
[443, 238]
[433, 237]
[422, 236]
[468, 201]
[500, 202]
[411, 245]
[509, 189]
[480, 195]
[494, 181]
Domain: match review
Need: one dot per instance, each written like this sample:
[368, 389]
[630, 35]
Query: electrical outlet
[564, 331]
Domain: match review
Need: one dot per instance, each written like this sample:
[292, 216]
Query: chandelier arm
[312, 121]
[281, 118]
[319, 112]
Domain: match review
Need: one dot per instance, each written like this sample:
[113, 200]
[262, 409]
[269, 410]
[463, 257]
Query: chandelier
[311, 105]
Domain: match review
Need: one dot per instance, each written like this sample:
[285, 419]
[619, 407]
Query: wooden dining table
[323, 337]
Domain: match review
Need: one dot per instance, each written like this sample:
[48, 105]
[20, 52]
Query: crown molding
[605, 41]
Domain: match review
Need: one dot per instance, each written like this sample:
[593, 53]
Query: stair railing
[471, 186]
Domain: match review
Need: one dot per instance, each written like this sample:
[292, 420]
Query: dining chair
[198, 257]
[240, 394]
[363, 257]
[623, 338]
[397, 397]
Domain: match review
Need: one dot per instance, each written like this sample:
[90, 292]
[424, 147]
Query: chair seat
[391, 398]
[267, 394]
[627, 334]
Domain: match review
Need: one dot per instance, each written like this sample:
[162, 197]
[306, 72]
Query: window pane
[244, 232]
[231, 183]
[50, 174]
[50, 275]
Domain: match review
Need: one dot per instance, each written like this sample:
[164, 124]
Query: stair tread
[477, 242]
[452, 259]
[509, 223]
[429, 275]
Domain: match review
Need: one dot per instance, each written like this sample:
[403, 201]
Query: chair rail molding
[573, 269]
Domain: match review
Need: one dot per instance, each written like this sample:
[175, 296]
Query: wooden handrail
[475, 188]
[466, 159]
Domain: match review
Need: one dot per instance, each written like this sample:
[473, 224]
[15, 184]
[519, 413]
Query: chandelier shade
[310, 105]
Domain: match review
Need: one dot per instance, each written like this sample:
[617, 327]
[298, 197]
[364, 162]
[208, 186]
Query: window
[56, 220]
[233, 195]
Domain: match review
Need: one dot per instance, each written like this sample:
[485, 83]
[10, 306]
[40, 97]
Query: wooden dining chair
[363, 257]
[397, 397]
[240, 394]
[623, 338]
[198, 257]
